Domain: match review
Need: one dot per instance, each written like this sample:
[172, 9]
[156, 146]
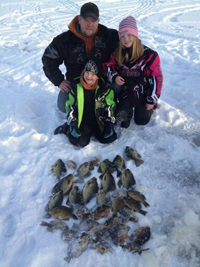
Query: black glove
[74, 131]
[109, 130]
[62, 129]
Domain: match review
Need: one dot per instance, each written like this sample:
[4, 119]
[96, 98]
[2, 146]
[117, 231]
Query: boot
[62, 129]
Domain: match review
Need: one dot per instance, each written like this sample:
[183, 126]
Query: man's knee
[62, 98]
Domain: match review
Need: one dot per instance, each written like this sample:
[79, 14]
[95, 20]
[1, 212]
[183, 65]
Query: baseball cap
[89, 10]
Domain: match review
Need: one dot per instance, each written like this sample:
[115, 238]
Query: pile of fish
[116, 204]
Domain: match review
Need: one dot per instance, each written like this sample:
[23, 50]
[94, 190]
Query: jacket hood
[89, 41]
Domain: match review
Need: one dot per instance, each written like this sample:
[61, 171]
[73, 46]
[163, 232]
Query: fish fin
[138, 162]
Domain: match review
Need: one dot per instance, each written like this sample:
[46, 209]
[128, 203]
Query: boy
[90, 108]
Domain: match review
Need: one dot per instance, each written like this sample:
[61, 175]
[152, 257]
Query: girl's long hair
[137, 51]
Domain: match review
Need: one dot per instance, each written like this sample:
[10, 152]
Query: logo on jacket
[99, 43]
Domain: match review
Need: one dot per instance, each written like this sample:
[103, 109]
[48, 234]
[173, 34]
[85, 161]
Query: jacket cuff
[150, 100]
[114, 77]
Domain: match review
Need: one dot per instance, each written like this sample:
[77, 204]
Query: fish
[117, 205]
[134, 205]
[90, 188]
[131, 153]
[74, 196]
[108, 182]
[138, 197]
[102, 246]
[55, 201]
[63, 212]
[141, 236]
[102, 197]
[87, 224]
[84, 170]
[77, 247]
[118, 232]
[106, 165]
[71, 164]
[132, 247]
[93, 163]
[127, 179]
[69, 234]
[58, 168]
[129, 214]
[65, 184]
[54, 225]
[119, 164]
[98, 232]
[99, 213]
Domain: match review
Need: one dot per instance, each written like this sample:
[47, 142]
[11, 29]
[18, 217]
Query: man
[85, 39]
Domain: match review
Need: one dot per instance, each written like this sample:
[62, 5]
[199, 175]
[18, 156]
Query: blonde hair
[137, 51]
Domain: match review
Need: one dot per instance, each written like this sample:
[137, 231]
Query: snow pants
[87, 131]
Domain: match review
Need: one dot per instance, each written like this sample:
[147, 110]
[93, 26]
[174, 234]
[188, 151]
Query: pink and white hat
[128, 26]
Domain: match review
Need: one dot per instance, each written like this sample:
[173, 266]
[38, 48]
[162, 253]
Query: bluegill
[131, 153]
[126, 179]
[90, 188]
[58, 168]
[65, 184]
[63, 212]
[108, 182]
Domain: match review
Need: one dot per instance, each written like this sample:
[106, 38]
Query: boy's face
[90, 77]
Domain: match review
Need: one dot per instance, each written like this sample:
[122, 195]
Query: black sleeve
[52, 59]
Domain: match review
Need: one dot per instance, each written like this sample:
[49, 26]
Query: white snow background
[169, 144]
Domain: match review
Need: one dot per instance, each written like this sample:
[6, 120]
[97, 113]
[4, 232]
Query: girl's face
[90, 77]
[127, 40]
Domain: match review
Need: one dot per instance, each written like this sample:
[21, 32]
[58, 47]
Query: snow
[169, 144]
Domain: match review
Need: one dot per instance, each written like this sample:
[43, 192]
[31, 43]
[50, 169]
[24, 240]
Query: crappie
[90, 188]
[138, 197]
[129, 214]
[58, 168]
[65, 184]
[102, 246]
[108, 182]
[131, 153]
[63, 212]
[119, 232]
[141, 235]
[54, 225]
[77, 246]
[126, 179]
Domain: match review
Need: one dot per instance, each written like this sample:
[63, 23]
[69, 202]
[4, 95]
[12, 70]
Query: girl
[136, 70]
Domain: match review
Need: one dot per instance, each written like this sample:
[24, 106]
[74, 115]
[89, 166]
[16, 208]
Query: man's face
[88, 26]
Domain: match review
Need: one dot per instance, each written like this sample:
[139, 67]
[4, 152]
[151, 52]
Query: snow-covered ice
[169, 144]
